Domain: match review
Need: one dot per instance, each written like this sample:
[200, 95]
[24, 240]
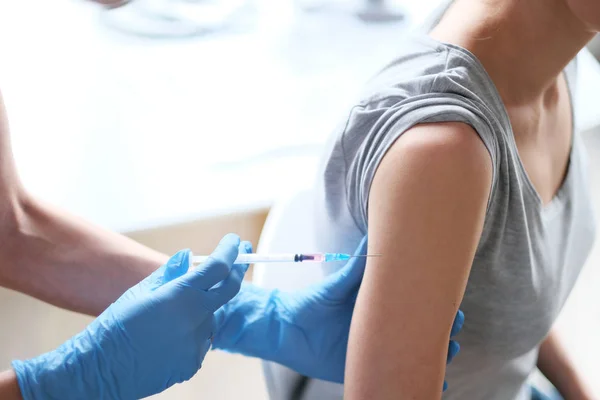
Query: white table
[132, 134]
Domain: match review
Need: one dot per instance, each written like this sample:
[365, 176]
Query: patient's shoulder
[449, 145]
[443, 165]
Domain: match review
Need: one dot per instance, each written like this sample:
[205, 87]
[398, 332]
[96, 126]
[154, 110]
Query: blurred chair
[289, 229]
[594, 47]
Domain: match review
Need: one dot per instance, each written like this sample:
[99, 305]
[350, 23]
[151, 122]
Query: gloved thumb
[458, 323]
[346, 281]
[229, 287]
[177, 265]
[234, 280]
[217, 267]
[165, 273]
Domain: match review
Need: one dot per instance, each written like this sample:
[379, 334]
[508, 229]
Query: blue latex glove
[307, 330]
[154, 336]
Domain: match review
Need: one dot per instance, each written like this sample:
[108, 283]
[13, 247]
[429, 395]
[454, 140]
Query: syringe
[285, 258]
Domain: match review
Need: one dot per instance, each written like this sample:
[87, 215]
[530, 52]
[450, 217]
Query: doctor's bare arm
[59, 258]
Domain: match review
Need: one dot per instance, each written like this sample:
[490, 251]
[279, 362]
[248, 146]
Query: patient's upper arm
[426, 210]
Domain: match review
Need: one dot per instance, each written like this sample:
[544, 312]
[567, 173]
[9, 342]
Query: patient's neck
[523, 45]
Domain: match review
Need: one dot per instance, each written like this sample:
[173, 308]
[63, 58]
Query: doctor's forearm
[67, 262]
[59, 258]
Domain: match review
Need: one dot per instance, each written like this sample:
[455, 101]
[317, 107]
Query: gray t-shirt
[529, 255]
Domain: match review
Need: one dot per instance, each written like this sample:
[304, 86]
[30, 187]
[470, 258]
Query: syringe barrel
[255, 258]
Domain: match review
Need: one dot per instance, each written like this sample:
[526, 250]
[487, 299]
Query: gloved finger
[164, 273]
[246, 247]
[220, 318]
[203, 350]
[458, 323]
[346, 281]
[205, 336]
[227, 289]
[445, 386]
[231, 285]
[453, 349]
[218, 266]
[154, 281]
[177, 266]
[213, 328]
[159, 277]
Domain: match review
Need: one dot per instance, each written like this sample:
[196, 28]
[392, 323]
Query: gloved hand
[307, 330]
[154, 336]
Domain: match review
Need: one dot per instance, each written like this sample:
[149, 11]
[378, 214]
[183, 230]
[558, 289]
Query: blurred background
[113, 112]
